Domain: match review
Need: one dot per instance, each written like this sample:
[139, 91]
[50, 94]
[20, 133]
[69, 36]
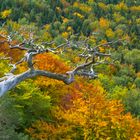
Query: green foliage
[107, 82]
[133, 57]
[10, 120]
[80, 15]
[123, 80]
[4, 65]
[100, 21]
[59, 40]
[22, 106]
[118, 92]
[31, 103]
[137, 82]
[132, 102]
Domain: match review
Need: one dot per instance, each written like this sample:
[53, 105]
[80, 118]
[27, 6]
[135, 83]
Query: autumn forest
[69, 70]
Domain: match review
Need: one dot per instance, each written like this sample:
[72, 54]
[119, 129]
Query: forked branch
[92, 56]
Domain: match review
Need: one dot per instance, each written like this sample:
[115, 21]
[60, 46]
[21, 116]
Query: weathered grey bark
[13, 80]
[91, 55]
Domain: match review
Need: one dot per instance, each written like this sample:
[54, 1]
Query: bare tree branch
[11, 81]
[89, 54]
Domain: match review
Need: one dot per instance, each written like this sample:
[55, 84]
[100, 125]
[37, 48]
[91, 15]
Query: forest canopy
[81, 65]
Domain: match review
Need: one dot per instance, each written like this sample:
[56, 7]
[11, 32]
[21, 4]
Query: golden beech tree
[89, 116]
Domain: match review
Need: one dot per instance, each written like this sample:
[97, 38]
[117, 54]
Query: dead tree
[91, 55]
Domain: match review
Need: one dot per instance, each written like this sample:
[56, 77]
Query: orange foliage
[138, 74]
[53, 63]
[89, 116]
[104, 23]
[15, 54]
[44, 130]
[50, 62]
[112, 68]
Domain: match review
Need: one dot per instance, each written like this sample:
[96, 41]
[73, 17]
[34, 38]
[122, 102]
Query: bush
[137, 82]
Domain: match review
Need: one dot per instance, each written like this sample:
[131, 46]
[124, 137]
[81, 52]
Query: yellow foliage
[58, 9]
[22, 67]
[103, 41]
[14, 25]
[6, 13]
[108, 59]
[90, 1]
[46, 35]
[78, 15]
[104, 23]
[101, 49]
[69, 28]
[47, 27]
[138, 74]
[89, 112]
[110, 33]
[121, 6]
[65, 34]
[65, 20]
[127, 37]
[118, 17]
[44, 130]
[102, 6]
[101, 118]
[138, 21]
[53, 63]
[135, 8]
[81, 6]
[119, 32]
[76, 59]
